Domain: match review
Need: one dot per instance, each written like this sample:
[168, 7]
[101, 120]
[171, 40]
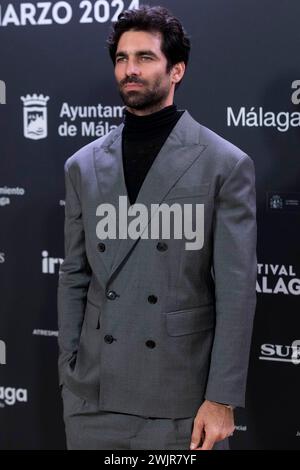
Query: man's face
[140, 71]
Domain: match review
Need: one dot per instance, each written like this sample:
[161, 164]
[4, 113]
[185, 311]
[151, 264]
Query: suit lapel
[178, 153]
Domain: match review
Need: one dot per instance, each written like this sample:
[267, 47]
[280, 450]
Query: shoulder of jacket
[224, 152]
[85, 152]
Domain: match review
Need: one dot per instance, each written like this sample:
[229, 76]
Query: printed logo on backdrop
[88, 121]
[283, 121]
[35, 122]
[276, 202]
[2, 92]
[11, 395]
[281, 353]
[4, 201]
[2, 352]
[2, 257]
[48, 13]
[279, 202]
[241, 427]
[6, 192]
[50, 265]
[277, 279]
[42, 332]
[73, 120]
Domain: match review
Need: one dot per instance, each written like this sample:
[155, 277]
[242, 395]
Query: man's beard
[143, 98]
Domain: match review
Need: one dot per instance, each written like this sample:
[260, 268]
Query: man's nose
[132, 68]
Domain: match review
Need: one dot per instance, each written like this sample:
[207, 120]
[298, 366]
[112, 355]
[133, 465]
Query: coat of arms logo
[35, 116]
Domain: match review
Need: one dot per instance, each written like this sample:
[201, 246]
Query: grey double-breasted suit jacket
[146, 326]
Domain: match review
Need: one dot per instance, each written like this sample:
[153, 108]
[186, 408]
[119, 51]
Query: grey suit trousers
[88, 428]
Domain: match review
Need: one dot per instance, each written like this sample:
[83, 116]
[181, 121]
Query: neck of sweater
[150, 126]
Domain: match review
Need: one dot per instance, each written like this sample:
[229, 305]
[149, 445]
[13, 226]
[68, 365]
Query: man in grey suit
[155, 331]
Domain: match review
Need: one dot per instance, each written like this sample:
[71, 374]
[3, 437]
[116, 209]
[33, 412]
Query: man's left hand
[213, 422]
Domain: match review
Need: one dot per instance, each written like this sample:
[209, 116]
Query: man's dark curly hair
[175, 45]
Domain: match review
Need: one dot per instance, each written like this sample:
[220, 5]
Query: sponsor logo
[4, 201]
[12, 191]
[241, 428]
[10, 395]
[5, 192]
[84, 120]
[49, 264]
[35, 116]
[277, 279]
[2, 352]
[283, 121]
[281, 353]
[39, 332]
[278, 202]
[2, 92]
[296, 94]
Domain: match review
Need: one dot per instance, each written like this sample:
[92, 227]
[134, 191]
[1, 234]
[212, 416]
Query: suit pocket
[92, 315]
[192, 320]
[188, 191]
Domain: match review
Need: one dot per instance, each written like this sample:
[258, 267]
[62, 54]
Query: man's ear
[178, 71]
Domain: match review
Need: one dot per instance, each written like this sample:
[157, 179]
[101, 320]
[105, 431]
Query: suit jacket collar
[185, 132]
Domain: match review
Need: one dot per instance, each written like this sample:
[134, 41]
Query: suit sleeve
[74, 277]
[235, 271]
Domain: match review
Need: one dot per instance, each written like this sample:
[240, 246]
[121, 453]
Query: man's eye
[147, 57]
[120, 58]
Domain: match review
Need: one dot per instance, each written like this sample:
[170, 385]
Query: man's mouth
[133, 85]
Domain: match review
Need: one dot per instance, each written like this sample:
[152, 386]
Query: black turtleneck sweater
[142, 139]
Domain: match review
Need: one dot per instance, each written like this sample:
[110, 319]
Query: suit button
[162, 246]
[152, 299]
[101, 246]
[108, 339]
[150, 344]
[111, 295]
